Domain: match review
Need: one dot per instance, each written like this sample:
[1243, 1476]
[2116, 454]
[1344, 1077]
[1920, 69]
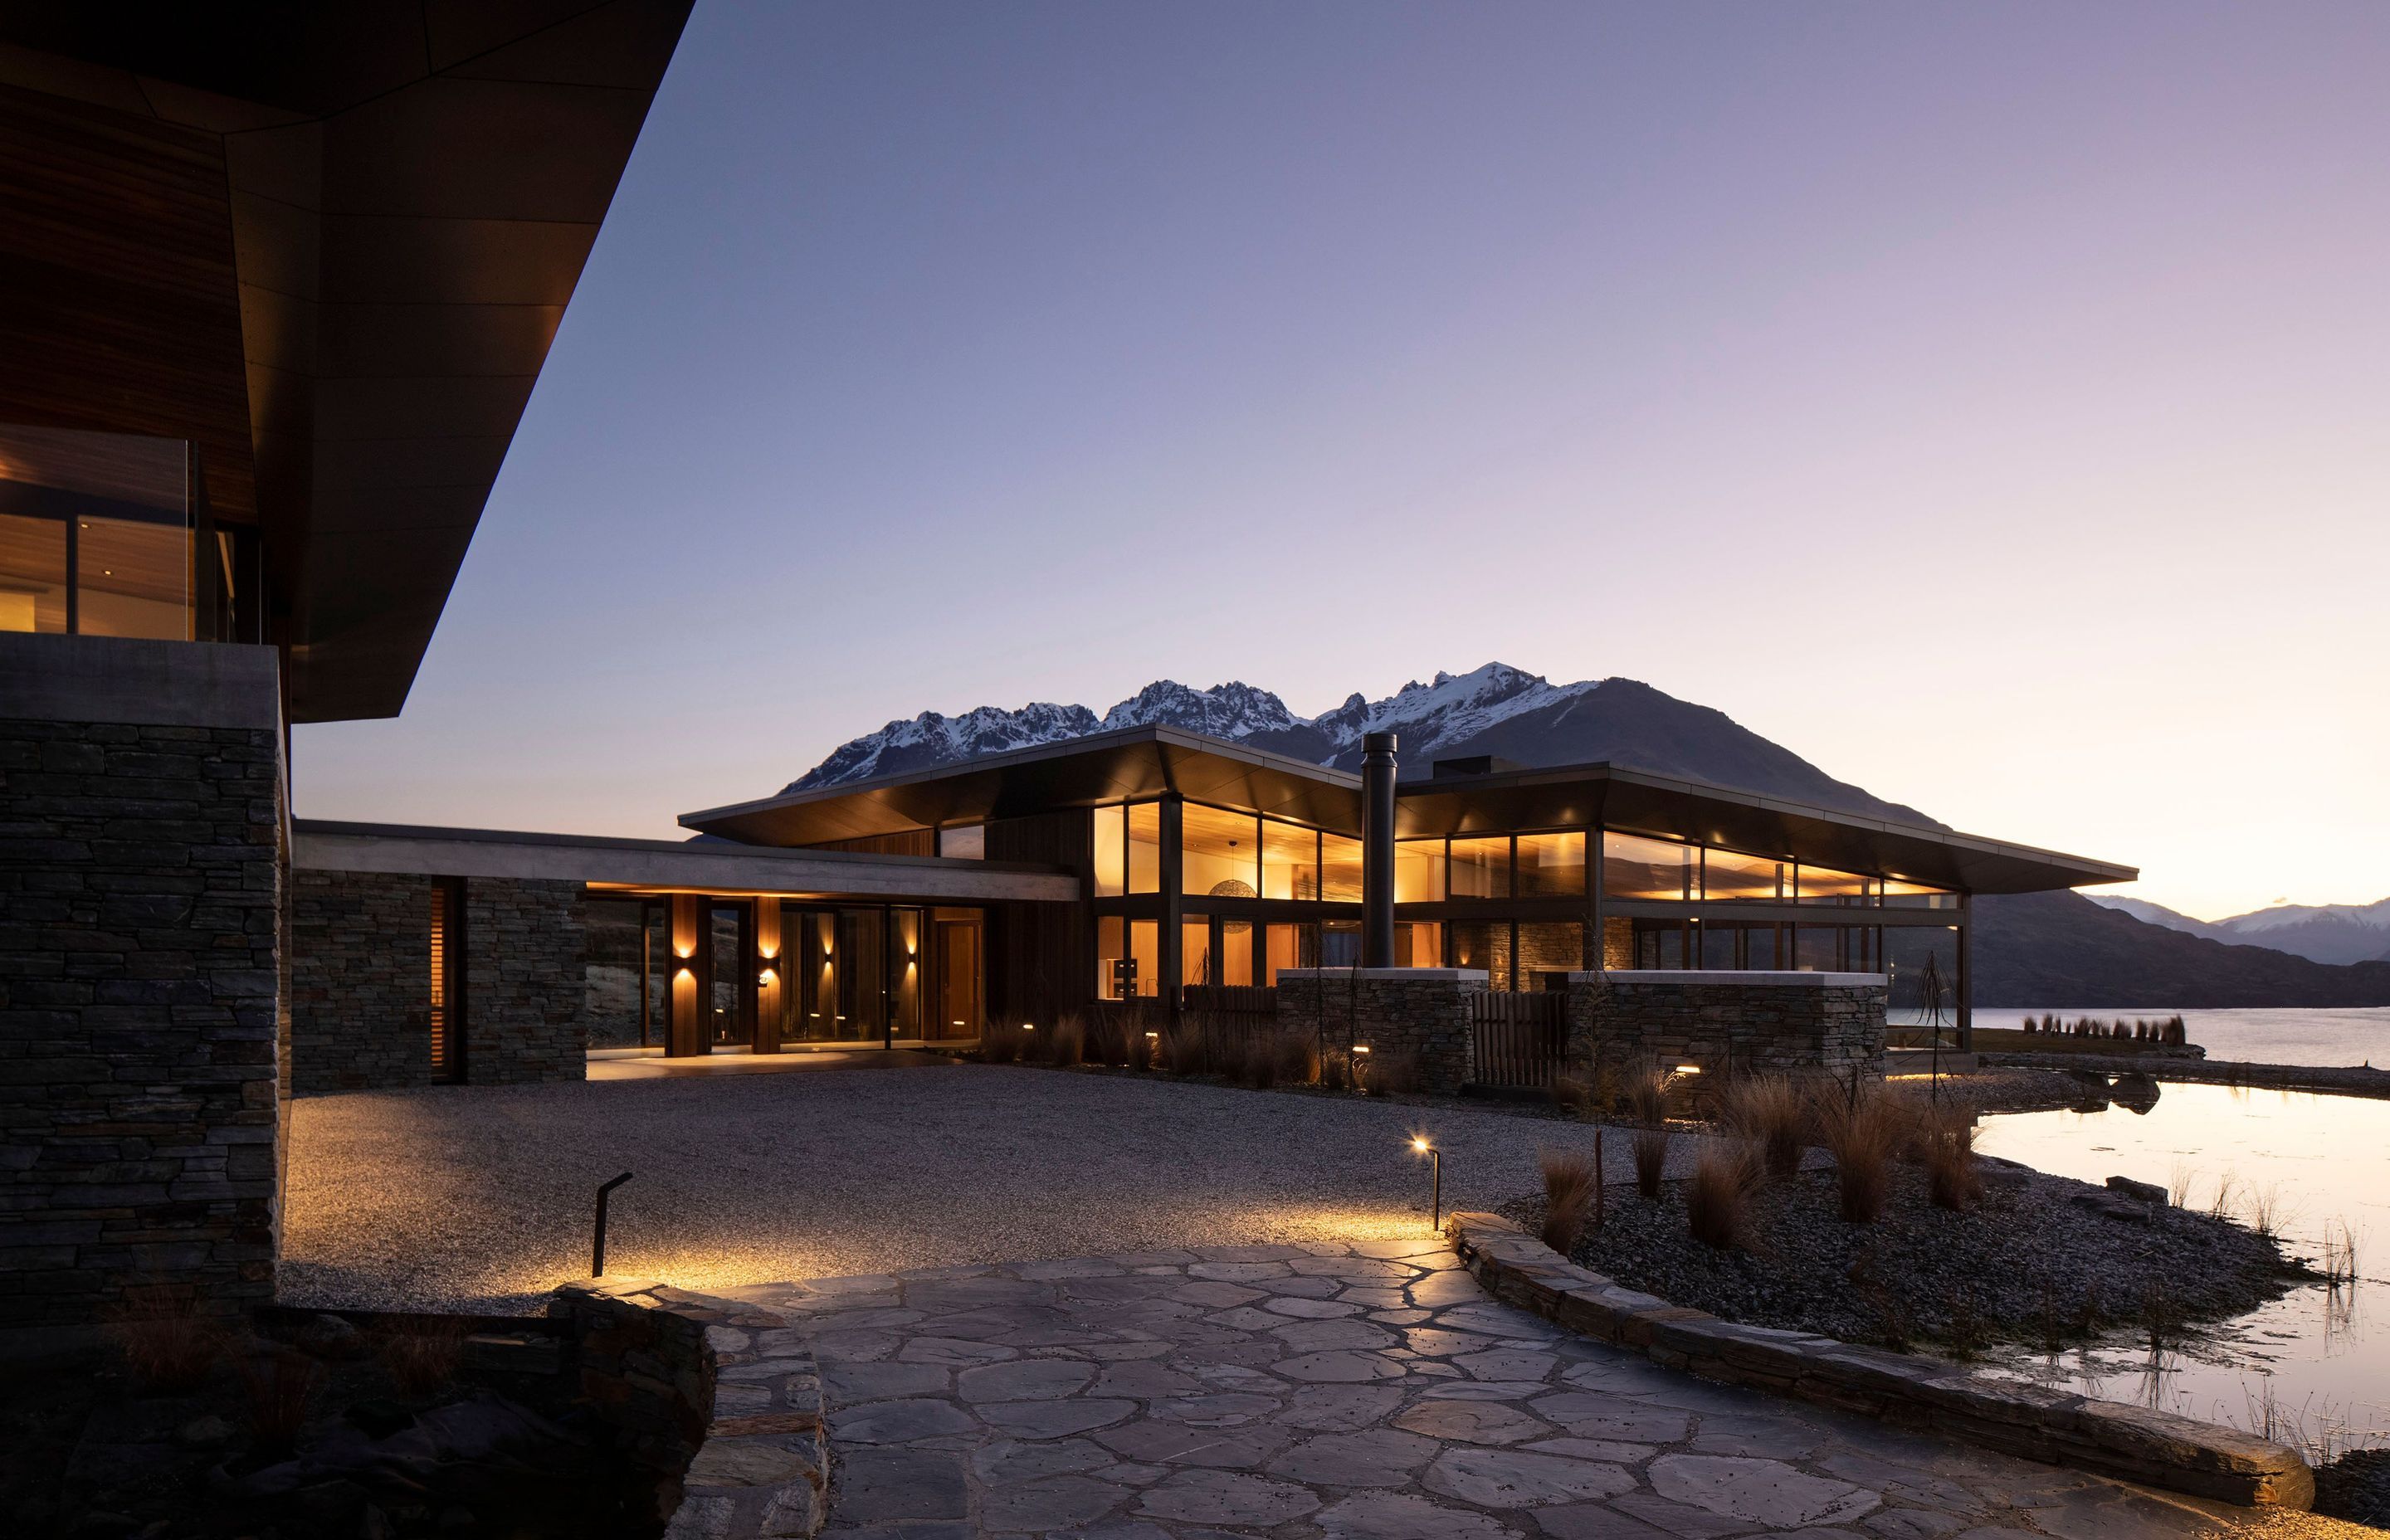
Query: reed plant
[2179, 1184]
[1718, 1199]
[2339, 1255]
[2220, 1206]
[2268, 1210]
[1769, 1111]
[1651, 1147]
[1863, 1132]
[1571, 1184]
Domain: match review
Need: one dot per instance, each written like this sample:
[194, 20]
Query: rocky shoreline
[2040, 1260]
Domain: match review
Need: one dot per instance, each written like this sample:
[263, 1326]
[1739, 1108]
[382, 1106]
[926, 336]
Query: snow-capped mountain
[2323, 933]
[1493, 709]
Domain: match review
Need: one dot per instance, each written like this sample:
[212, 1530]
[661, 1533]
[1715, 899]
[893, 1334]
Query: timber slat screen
[1521, 1038]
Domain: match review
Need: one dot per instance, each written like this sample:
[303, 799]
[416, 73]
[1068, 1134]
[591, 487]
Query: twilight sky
[1989, 403]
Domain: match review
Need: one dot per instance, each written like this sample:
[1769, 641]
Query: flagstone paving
[1368, 1391]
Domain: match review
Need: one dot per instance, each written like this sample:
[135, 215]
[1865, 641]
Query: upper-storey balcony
[108, 535]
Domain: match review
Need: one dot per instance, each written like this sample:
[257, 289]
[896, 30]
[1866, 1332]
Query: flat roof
[1124, 765]
[668, 865]
[1147, 762]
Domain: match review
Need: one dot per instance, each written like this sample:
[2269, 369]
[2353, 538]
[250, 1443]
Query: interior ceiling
[414, 186]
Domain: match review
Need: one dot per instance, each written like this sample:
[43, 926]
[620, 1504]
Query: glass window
[1548, 949]
[1284, 946]
[1818, 948]
[1916, 895]
[1112, 852]
[1730, 875]
[1111, 946]
[1715, 945]
[1234, 960]
[1340, 943]
[1145, 953]
[966, 842]
[1759, 948]
[1551, 866]
[1219, 853]
[1481, 868]
[33, 573]
[1340, 870]
[1650, 871]
[1660, 942]
[1825, 885]
[1290, 861]
[133, 579]
[1145, 847]
[1418, 944]
[1418, 871]
[1195, 953]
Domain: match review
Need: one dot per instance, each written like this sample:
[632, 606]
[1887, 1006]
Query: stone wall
[141, 897]
[361, 972]
[1727, 1023]
[1420, 1012]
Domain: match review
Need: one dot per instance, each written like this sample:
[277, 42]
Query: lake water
[2333, 1038]
[2315, 1363]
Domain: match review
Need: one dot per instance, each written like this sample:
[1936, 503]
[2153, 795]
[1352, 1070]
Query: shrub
[1569, 1189]
[1718, 1199]
[168, 1345]
[281, 1385]
[1768, 1110]
[1946, 1137]
[1650, 1158]
[1862, 1132]
[423, 1356]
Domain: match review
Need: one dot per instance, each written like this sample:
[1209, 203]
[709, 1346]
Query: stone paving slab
[1203, 1394]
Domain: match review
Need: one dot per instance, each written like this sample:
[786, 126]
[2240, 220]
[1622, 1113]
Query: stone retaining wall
[2105, 1437]
[1420, 1012]
[140, 952]
[1727, 1023]
[715, 1392]
[361, 970]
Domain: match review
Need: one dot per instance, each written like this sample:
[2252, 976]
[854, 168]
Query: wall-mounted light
[1688, 1069]
[1360, 1048]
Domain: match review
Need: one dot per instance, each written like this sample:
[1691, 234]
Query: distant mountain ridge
[2030, 949]
[2321, 933]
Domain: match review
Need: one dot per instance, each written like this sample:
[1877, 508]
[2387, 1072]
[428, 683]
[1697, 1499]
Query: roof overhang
[668, 865]
[1085, 771]
[1625, 799]
[414, 187]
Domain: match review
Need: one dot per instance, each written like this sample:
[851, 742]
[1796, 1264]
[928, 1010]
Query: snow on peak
[1233, 709]
[1460, 706]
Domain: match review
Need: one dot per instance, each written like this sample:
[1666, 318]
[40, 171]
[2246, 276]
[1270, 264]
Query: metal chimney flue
[1378, 850]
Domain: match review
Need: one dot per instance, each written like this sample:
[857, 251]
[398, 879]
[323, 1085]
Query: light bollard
[1435, 1183]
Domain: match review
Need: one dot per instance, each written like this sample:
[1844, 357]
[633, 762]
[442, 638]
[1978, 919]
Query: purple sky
[1991, 403]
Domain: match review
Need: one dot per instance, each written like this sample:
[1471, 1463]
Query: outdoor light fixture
[1688, 1069]
[598, 1241]
[1436, 1180]
[1360, 1048]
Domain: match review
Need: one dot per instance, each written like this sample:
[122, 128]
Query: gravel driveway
[459, 1197]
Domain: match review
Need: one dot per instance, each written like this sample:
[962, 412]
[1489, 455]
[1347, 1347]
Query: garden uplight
[1436, 1181]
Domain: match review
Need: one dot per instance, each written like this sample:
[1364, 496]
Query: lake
[2312, 1368]
[2334, 1037]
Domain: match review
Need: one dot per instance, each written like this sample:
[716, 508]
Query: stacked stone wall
[526, 982]
[140, 957]
[1421, 1013]
[1799, 1024]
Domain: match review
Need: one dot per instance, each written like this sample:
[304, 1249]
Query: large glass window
[113, 512]
[1825, 885]
[1285, 946]
[1112, 852]
[1916, 895]
[1418, 872]
[1418, 944]
[1219, 853]
[1195, 961]
[1728, 875]
[1340, 869]
[1551, 866]
[1648, 870]
[33, 573]
[1290, 861]
[1340, 943]
[132, 578]
[1145, 951]
[1233, 959]
[1145, 847]
[1481, 868]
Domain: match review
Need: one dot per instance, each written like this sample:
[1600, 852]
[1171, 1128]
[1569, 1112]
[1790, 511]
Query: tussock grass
[1065, 1044]
[1571, 1184]
[422, 1356]
[2179, 1184]
[1002, 1044]
[1650, 1158]
[1946, 1139]
[167, 1343]
[1646, 1095]
[281, 1386]
[1718, 1199]
[1862, 1132]
[1769, 1111]
[1572, 1096]
[2269, 1210]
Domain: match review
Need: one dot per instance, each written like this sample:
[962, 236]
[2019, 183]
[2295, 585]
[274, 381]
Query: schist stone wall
[1421, 1011]
[1740, 1022]
[142, 843]
[361, 981]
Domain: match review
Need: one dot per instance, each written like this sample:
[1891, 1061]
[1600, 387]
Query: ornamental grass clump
[1945, 1141]
[1395, 1073]
[1651, 1146]
[1646, 1095]
[1066, 1045]
[167, 1343]
[1862, 1131]
[1768, 1110]
[281, 1386]
[1001, 1044]
[1569, 1185]
[1717, 1198]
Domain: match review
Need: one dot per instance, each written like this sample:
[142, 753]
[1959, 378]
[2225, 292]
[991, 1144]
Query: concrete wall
[1739, 1022]
[1420, 1012]
[361, 972]
[141, 861]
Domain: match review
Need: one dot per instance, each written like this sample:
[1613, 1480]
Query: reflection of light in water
[2303, 1364]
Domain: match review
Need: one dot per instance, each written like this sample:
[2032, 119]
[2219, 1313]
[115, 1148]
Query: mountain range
[2321, 933]
[2030, 949]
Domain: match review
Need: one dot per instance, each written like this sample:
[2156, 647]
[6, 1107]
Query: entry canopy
[1149, 762]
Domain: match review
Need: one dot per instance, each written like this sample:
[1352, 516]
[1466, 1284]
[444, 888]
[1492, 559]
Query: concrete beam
[45, 677]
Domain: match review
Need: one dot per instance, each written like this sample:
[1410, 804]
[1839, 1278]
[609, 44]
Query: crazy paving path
[1348, 1392]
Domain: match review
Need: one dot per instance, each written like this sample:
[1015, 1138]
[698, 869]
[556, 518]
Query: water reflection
[2305, 1367]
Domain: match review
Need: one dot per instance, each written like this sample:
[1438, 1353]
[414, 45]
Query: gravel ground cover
[2024, 1261]
[479, 1197]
